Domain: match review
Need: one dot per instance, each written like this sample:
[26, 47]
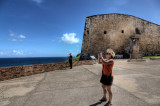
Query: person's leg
[104, 91]
[71, 64]
[110, 94]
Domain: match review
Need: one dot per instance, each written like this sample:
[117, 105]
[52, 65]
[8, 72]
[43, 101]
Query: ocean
[5, 62]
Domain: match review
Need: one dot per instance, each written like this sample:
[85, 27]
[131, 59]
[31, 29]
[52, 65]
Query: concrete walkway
[135, 84]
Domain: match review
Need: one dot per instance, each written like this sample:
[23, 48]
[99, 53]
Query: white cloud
[22, 36]
[38, 1]
[17, 52]
[70, 38]
[16, 38]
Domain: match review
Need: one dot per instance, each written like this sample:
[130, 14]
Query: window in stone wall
[122, 31]
[87, 31]
[102, 17]
[137, 31]
[105, 32]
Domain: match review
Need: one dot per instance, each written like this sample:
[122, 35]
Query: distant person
[70, 60]
[107, 75]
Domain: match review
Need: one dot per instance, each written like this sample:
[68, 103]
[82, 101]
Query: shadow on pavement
[95, 104]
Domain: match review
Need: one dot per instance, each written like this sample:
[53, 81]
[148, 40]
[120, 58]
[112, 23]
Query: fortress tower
[115, 31]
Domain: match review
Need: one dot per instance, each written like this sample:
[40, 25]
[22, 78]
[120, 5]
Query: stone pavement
[135, 84]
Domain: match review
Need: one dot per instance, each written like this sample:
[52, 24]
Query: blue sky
[54, 28]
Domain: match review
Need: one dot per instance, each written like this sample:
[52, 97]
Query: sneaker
[103, 100]
[108, 104]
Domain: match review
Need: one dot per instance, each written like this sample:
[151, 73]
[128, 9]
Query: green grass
[76, 58]
[151, 57]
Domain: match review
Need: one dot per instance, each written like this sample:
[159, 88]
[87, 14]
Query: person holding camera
[107, 75]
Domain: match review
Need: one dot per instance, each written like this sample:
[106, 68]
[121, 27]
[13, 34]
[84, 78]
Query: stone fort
[115, 31]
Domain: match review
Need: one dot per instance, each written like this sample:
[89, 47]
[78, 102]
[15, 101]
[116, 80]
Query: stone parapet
[136, 56]
[26, 70]
[155, 58]
[136, 60]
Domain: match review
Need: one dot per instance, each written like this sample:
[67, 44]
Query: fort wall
[114, 31]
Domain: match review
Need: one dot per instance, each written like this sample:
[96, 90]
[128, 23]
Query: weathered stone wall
[114, 31]
[25, 70]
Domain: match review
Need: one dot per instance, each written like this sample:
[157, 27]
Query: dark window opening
[102, 17]
[122, 31]
[105, 32]
[137, 31]
[88, 32]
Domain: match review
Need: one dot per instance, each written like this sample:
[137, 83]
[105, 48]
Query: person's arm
[99, 59]
[106, 61]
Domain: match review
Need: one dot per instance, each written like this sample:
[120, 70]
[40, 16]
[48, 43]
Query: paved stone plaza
[135, 84]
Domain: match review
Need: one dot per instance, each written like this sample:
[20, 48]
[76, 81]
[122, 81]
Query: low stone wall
[155, 58]
[25, 70]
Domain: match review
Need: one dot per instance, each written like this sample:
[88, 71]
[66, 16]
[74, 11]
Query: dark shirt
[70, 58]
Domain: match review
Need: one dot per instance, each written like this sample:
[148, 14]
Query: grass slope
[151, 57]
